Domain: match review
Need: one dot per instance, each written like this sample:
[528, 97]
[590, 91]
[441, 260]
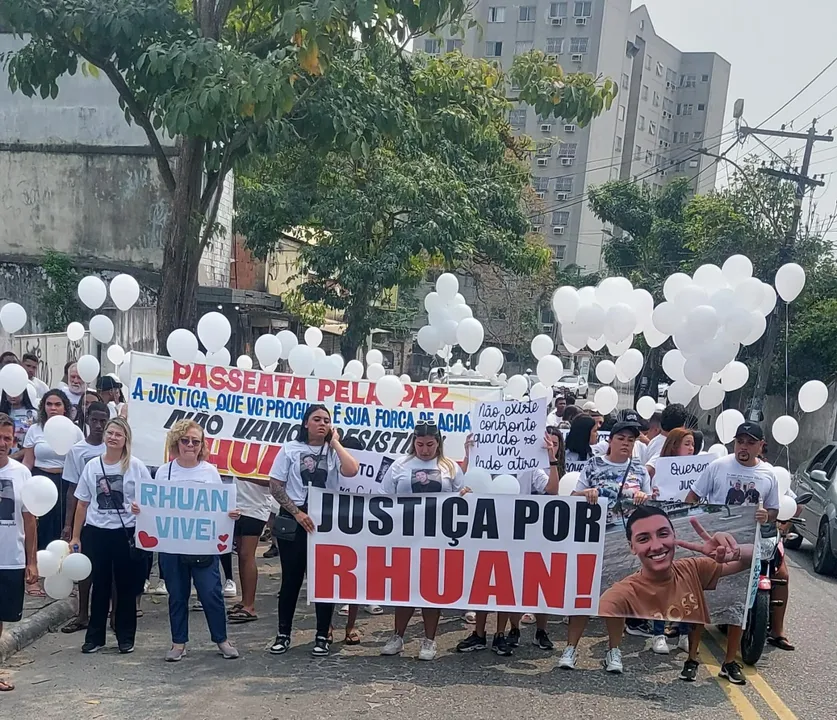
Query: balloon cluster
[60, 569]
[450, 321]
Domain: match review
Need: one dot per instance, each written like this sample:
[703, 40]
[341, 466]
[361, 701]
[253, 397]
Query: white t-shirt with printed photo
[112, 495]
[727, 482]
[409, 474]
[45, 457]
[300, 466]
[80, 454]
[13, 475]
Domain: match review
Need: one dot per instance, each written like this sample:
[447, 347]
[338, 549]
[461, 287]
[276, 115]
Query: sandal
[6, 686]
[780, 642]
[233, 608]
[240, 615]
[374, 609]
[352, 637]
[140, 613]
[35, 590]
[74, 626]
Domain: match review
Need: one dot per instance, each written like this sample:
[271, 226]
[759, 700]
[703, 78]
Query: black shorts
[247, 526]
[12, 588]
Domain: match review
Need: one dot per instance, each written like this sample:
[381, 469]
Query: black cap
[106, 382]
[628, 420]
[752, 429]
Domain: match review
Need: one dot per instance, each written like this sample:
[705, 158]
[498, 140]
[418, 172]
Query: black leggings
[294, 557]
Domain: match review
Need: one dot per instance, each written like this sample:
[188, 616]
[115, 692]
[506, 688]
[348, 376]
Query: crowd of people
[96, 513]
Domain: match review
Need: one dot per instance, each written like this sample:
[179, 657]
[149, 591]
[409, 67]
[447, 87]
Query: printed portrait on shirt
[313, 469]
[7, 500]
[110, 493]
[426, 480]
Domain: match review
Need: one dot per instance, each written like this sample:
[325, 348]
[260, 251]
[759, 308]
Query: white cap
[589, 405]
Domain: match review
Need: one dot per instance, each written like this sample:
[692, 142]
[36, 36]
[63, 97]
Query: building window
[688, 81]
[617, 145]
[564, 184]
[694, 163]
[701, 107]
[668, 104]
[561, 217]
[656, 101]
[540, 184]
[554, 46]
[638, 152]
[697, 135]
[543, 149]
[432, 46]
[644, 92]
[688, 108]
[558, 10]
[493, 49]
[642, 24]
[621, 112]
[671, 76]
[640, 122]
[523, 46]
[567, 150]
[649, 157]
[648, 61]
[527, 13]
[626, 81]
[558, 252]
[665, 133]
[579, 45]
[583, 9]
[453, 45]
[496, 14]
[652, 127]
[704, 78]
[517, 118]
[660, 69]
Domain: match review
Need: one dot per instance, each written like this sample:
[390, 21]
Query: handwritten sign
[373, 467]
[575, 466]
[674, 476]
[508, 436]
[185, 518]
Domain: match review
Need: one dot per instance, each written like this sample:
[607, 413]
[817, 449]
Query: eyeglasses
[188, 442]
[425, 428]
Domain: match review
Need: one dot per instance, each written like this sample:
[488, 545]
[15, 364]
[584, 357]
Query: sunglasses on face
[189, 442]
[425, 428]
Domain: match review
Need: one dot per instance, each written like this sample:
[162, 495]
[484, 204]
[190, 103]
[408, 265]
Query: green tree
[446, 189]
[220, 76]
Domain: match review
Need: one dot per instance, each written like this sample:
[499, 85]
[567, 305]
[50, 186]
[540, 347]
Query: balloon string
[787, 366]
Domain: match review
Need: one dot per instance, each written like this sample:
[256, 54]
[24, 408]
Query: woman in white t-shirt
[41, 459]
[186, 446]
[104, 531]
[312, 459]
[424, 469]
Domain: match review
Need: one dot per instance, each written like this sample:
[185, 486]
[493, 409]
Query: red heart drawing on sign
[221, 547]
[223, 538]
[146, 540]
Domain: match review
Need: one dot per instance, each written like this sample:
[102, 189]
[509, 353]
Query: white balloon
[783, 479]
[568, 484]
[622, 377]
[200, 358]
[88, 368]
[48, 564]
[596, 344]
[470, 334]
[219, 357]
[710, 278]
[390, 391]
[643, 304]
[539, 390]
[60, 548]
[734, 377]
[565, 303]
[606, 371]
[214, 331]
[405, 379]
[550, 369]
[428, 339]
[573, 334]
[737, 269]
[13, 379]
[687, 342]
[620, 348]
[812, 396]
[726, 425]
[674, 284]
[288, 341]
[785, 430]
[541, 346]
[182, 346]
[448, 331]
[620, 321]
[92, 291]
[374, 357]
[606, 399]
[491, 360]
[77, 567]
[613, 290]
[432, 301]
[478, 480]
[353, 370]
[572, 349]
[516, 387]
[447, 286]
[58, 587]
[457, 368]
[590, 320]
[718, 354]
[682, 391]
[790, 279]
[39, 495]
[667, 318]
[12, 317]
[768, 301]
[652, 336]
[60, 434]
[718, 450]
[313, 337]
[124, 291]
[757, 328]
[505, 485]
[116, 355]
[375, 372]
[724, 302]
[445, 352]
[338, 363]
[75, 331]
[268, 349]
[695, 372]
[244, 362]
[711, 396]
[702, 321]
[787, 508]
[690, 297]
[749, 294]
[646, 406]
[673, 363]
[460, 312]
[738, 324]
[630, 364]
[301, 360]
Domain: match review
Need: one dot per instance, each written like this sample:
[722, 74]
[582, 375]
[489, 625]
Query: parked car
[574, 383]
[817, 476]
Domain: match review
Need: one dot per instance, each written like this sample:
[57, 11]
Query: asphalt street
[54, 680]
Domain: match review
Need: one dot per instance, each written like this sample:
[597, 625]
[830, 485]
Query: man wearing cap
[110, 389]
[742, 468]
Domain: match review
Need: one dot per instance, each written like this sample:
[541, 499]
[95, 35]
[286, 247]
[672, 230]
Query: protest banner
[373, 467]
[248, 414]
[529, 554]
[674, 476]
[185, 518]
[574, 466]
[508, 436]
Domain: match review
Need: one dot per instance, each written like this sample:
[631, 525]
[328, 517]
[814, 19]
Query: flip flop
[352, 637]
[233, 608]
[240, 615]
[780, 642]
[6, 686]
[374, 609]
[74, 626]
[35, 590]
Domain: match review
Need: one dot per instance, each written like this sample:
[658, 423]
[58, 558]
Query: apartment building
[670, 103]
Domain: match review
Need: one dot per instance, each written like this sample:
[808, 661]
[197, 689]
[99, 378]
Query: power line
[811, 82]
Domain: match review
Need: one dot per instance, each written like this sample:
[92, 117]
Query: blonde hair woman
[186, 446]
[424, 469]
[104, 530]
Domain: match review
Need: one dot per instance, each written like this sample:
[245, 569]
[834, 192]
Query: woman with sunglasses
[424, 469]
[312, 459]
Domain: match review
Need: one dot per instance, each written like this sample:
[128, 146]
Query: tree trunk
[356, 317]
[649, 379]
[177, 303]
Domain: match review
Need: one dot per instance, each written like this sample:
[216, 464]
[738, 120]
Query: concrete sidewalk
[40, 616]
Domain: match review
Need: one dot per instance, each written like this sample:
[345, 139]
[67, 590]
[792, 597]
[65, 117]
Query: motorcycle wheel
[755, 634]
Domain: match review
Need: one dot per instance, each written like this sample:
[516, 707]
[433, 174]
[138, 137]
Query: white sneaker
[230, 590]
[145, 587]
[343, 611]
[427, 651]
[568, 658]
[683, 643]
[659, 645]
[470, 617]
[613, 661]
[528, 619]
[161, 589]
[394, 646]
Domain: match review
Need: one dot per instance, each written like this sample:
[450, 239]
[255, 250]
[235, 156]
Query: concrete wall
[815, 429]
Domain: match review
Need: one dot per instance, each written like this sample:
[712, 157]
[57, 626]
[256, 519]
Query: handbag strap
[119, 507]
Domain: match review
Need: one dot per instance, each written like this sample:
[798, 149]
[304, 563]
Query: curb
[27, 631]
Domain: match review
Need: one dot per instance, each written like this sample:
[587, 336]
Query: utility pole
[803, 182]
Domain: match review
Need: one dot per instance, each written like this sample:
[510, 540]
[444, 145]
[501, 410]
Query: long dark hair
[6, 403]
[303, 428]
[560, 454]
[42, 416]
[578, 438]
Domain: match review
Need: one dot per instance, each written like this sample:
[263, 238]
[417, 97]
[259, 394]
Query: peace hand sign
[721, 546]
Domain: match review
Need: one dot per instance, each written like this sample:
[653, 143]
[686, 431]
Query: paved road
[54, 680]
